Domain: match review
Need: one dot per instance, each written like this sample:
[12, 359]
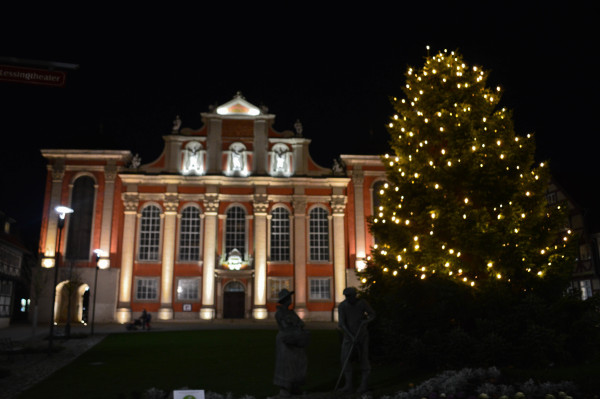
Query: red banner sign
[32, 76]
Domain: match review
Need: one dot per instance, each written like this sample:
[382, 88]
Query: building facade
[12, 253]
[586, 271]
[226, 217]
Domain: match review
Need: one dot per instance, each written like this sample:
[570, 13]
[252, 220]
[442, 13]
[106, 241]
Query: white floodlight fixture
[102, 259]
[62, 211]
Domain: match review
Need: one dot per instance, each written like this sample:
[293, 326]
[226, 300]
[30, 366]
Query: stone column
[58, 172]
[130, 202]
[110, 174]
[171, 204]
[211, 209]
[260, 254]
[338, 205]
[359, 215]
[299, 203]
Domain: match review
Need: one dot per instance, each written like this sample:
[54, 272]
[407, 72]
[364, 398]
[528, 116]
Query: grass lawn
[237, 361]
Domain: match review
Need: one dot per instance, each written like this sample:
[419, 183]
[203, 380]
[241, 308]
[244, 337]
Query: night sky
[334, 70]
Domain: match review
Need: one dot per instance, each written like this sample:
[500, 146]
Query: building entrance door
[234, 301]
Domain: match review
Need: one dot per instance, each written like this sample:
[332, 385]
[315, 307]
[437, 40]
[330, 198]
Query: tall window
[280, 235]
[235, 230]
[189, 235]
[319, 235]
[80, 221]
[150, 233]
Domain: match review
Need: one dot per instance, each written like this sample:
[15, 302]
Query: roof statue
[136, 161]
[176, 125]
[298, 128]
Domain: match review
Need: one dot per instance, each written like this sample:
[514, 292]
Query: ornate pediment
[238, 106]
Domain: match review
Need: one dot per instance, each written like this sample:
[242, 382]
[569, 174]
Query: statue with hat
[354, 315]
[291, 343]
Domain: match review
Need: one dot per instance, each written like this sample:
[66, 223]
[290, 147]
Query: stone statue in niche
[192, 161]
[237, 157]
[280, 160]
[236, 160]
[291, 343]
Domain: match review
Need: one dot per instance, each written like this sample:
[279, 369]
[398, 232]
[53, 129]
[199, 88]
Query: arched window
[319, 235]
[80, 221]
[280, 235]
[235, 230]
[150, 233]
[189, 234]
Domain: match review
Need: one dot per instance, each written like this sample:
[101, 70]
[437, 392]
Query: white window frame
[320, 237]
[285, 221]
[155, 282]
[158, 238]
[197, 281]
[316, 290]
[182, 234]
[243, 249]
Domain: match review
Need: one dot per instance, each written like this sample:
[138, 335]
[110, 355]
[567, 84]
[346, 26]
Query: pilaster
[170, 203]
[131, 203]
[261, 205]
[338, 205]
[211, 208]
[57, 169]
[110, 174]
[299, 204]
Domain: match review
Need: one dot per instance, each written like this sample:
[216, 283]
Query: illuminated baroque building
[226, 217]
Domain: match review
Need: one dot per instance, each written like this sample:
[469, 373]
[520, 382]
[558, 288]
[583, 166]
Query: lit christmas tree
[464, 199]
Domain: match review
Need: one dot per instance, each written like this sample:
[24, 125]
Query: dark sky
[334, 70]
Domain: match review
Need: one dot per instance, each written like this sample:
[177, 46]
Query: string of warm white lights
[463, 198]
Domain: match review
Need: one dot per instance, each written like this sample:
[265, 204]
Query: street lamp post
[62, 212]
[102, 262]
